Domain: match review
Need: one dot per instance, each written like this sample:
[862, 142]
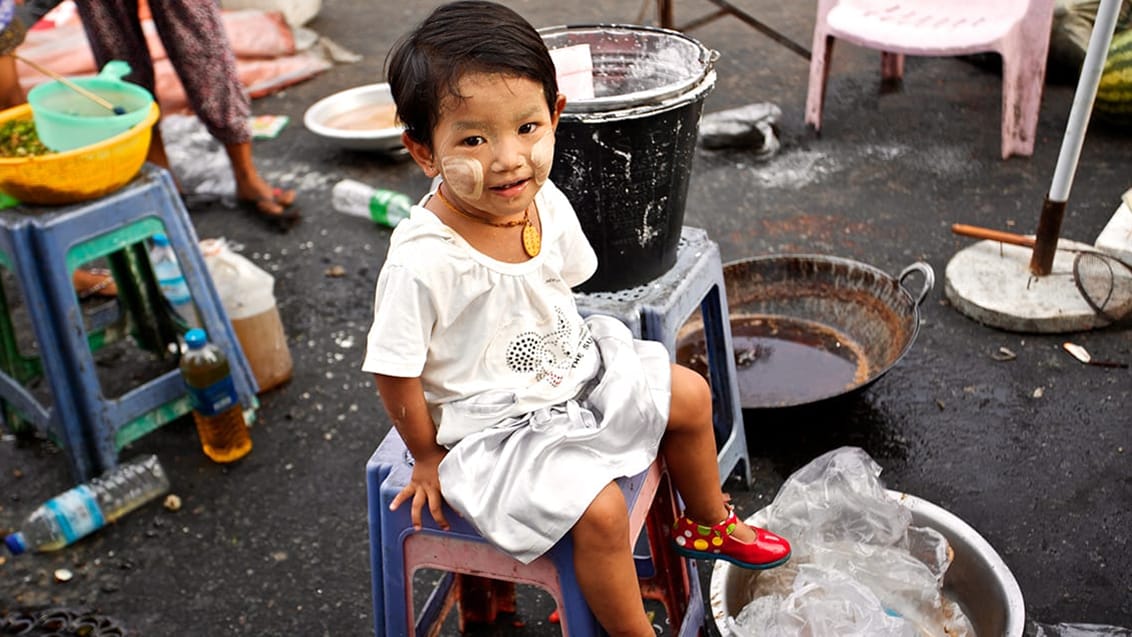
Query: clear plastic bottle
[217, 411]
[88, 507]
[387, 207]
[171, 280]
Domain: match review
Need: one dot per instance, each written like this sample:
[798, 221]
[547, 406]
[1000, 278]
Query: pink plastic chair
[1018, 30]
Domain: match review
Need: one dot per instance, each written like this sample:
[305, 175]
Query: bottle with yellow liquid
[216, 405]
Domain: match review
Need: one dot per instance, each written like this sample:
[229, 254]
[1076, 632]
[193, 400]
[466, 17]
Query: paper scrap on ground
[268, 126]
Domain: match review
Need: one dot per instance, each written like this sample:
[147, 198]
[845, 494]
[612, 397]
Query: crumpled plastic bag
[859, 569]
[822, 602]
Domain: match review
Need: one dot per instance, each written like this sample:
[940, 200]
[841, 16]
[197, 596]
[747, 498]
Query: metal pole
[1053, 209]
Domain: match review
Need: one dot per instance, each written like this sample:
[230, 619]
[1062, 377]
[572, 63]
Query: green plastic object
[66, 120]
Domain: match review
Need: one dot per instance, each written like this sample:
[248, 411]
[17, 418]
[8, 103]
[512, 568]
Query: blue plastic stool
[45, 245]
[658, 309]
[397, 551]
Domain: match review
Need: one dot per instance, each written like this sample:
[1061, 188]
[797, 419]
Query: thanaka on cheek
[542, 157]
[464, 176]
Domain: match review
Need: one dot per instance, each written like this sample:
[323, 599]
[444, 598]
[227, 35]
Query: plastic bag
[858, 566]
[822, 602]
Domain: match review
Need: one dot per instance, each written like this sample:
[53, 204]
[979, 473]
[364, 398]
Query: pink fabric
[266, 60]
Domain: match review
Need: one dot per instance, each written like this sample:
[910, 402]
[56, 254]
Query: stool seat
[658, 309]
[41, 247]
[397, 551]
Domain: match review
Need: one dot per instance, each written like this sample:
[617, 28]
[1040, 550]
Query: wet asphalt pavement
[1033, 452]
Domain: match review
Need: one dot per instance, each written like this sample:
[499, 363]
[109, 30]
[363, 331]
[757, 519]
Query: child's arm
[404, 401]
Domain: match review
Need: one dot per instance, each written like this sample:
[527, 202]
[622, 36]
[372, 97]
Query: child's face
[494, 147]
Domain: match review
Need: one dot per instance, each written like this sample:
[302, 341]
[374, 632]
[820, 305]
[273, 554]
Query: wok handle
[927, 272]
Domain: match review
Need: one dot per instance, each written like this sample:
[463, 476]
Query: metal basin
[807, 327]
[359, 118]
[978, 578]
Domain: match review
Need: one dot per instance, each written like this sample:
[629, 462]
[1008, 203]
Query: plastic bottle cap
[160, 239]
[15, 543]
[196, 338]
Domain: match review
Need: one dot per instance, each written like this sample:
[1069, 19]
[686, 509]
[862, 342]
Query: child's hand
[424, 488]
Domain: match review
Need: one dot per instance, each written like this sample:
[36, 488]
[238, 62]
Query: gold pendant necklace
[532, 238]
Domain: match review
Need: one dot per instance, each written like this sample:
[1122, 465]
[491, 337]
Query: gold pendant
[532, 239]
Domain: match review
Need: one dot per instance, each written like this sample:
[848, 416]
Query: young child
[519, 413]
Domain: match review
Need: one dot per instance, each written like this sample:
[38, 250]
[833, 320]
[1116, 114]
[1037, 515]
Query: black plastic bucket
[624, 157]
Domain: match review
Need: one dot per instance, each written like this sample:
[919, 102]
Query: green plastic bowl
[66, 120]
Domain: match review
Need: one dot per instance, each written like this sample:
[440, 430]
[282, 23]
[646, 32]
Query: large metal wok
[808, 327]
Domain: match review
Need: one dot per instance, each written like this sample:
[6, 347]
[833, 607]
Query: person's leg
[11, 93]
[198, 48]
[688, 448]
[708, 528]
[603, 564]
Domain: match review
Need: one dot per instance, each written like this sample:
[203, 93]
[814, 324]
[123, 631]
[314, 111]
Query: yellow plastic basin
[76, 175]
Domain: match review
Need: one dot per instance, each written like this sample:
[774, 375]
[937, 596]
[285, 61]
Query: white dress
[539, 408]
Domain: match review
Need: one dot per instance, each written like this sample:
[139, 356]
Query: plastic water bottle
[387, 207]
[88, 507]
[217, 412]
[171, 280]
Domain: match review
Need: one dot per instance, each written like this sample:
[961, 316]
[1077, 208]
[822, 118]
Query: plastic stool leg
[63, 419]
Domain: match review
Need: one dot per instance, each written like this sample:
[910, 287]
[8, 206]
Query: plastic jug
[247, 293]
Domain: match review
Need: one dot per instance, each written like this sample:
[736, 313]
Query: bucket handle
[115, 70]
[712, 58]
[927, 272]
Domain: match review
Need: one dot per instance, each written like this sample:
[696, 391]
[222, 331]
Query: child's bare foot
[731, 540]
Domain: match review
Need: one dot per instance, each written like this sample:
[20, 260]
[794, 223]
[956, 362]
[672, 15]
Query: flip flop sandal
[283, 220]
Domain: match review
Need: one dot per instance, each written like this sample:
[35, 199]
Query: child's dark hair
[469, 36]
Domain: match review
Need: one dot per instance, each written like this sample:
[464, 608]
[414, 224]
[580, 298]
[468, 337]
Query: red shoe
[716, 543]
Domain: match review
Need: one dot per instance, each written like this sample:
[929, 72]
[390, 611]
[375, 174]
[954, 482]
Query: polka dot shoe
[716, 543]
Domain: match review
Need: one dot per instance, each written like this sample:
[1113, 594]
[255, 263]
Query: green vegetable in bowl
[19, 139]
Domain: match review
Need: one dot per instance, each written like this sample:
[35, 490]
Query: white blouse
[469, 325]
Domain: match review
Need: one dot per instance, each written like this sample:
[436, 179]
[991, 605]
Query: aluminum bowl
[321, 115]
[978, 578]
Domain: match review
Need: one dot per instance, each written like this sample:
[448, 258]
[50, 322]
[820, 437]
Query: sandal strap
[723, 528]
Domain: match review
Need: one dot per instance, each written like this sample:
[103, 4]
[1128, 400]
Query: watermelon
[1113, 103]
